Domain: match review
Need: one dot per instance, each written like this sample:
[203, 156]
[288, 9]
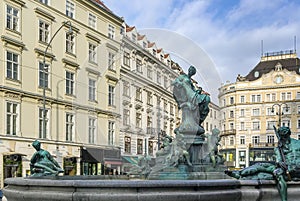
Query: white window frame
[70, 83]
[12, 65]
[44, 70]
[111, 95]
[92, 20]
[70, 43]
[111, 31]
[12, 118]
[92, 53]
[44, 31]
[92, 89]
[111, 61]
[126, 117]
[12, 18]
[92, 130]
[70, 126]
[70, 9]
[111, 132]
[41, 123]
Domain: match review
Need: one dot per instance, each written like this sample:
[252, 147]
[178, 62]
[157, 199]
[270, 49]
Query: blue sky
[228, 31]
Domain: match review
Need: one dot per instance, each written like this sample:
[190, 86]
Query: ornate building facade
[268, 96]
[80, 76]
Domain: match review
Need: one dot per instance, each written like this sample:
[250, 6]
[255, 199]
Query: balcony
[262, 145]
[228, 132]
[151, 131]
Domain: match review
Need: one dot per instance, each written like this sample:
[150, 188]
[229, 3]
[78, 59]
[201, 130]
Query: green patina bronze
[191, 152]
[42, 163]
[286, 168]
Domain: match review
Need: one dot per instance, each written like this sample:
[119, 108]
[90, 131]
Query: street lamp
[279, 113]
[44, 72]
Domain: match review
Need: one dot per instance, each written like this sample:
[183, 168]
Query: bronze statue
[286, 168]
[193, 102]
[42, 163]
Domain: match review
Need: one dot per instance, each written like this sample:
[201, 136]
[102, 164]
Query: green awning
[130, 159]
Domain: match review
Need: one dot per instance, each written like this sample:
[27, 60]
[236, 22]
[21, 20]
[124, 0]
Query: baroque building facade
[80, 77]
[147, 102]
[268, 96]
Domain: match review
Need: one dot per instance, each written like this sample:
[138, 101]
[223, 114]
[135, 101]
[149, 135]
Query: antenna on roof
[295, 43]
[262, 48]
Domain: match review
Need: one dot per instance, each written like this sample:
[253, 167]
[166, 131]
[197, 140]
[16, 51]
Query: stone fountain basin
[89, 188]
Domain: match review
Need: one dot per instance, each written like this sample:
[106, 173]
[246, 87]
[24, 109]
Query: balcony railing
[263, 144]
[228, 132]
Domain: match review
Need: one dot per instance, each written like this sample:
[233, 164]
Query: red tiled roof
[150, 44]
[129, 28]
[101, 4]
[140, 37]
[159, 50]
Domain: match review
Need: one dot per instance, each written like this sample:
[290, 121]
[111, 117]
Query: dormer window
[256, 74]
[278, 67]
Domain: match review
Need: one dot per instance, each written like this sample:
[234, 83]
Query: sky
[228, 33]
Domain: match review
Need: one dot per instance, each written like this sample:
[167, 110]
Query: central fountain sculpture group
[192, 154]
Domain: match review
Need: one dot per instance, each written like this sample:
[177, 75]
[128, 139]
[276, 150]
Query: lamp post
[44, 73]
[279, 113]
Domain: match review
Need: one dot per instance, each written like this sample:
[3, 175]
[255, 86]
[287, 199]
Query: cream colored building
[81, 77]
[147, 101]
[254, 103]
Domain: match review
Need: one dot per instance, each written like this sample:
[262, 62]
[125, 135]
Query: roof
[102, 5]
[264, 67]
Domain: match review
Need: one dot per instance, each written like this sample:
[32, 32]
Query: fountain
[188, 168]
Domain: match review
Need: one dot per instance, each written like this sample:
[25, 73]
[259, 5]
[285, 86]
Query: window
[258, 98]
[149, 73]
[242, 155]
[255, 112]
[12, 66]
[70, 9]
[139, 66]
[126, 59]
[231, 140]
[231, 114]
[158, 78]
[255, 98]
[165, 82]
[283, 96]
[149, 125]
[44, 29]
[140, 146]
[69, 83]
[92, 130]
[111, 95]
[111, 61]
[45, 2]
[111, 132]
[138, 120]
[70, 43]
[43, 75]
[149, 98]
[256, 125]
[150, 148]
[269, 111]
[273, 97]
[242, 112]
[231, 100]
[138, 94]
[286, 123]
[127, 145]
[12, 18]
[270, 125]
[12, 118]
[126, 117]
[255, 140]
[69, 126]
[270, 139]
[92, 21]
[231, 126]
[41, 124]
[242, 126]
[111, 31]
[92, 53]
[298, 109]
[92, 90]
[242, 99]
[133, 37]
[288, 96]
[242, 139]
[268, 97]
[171, 109]
[126, 88]
[298, 95]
